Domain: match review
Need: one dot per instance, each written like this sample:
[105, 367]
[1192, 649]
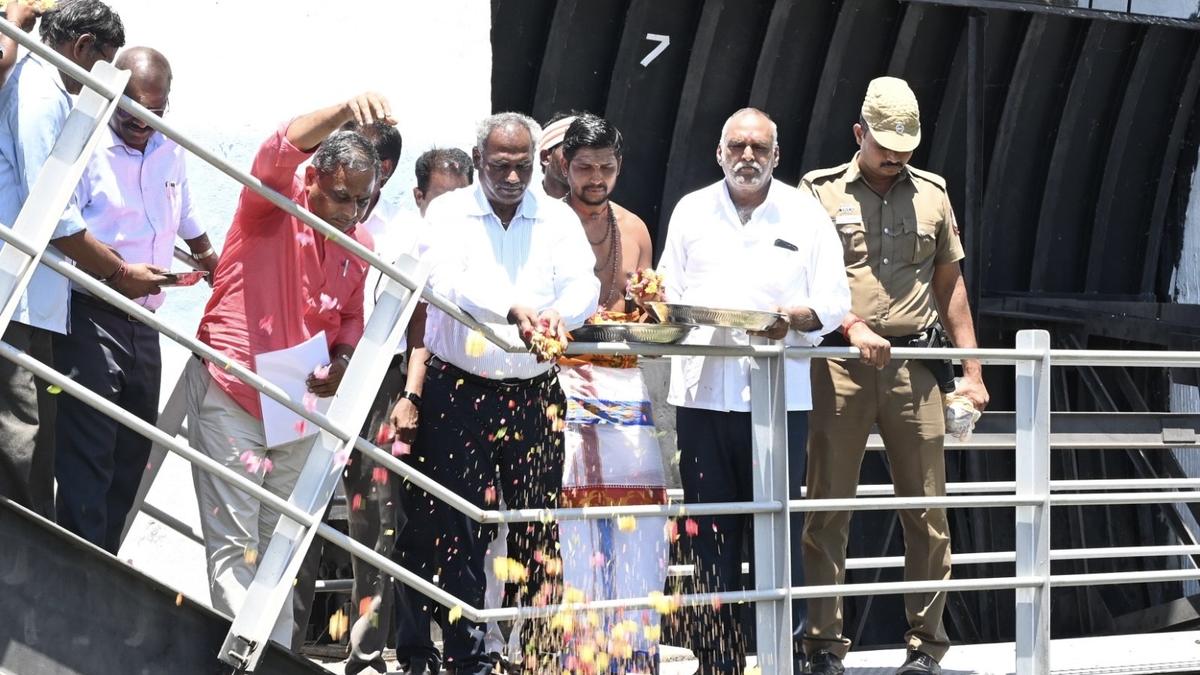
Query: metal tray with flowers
[695, 315]
[652, 333]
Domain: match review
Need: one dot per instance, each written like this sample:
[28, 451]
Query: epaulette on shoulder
[817, 175]
[930, 177]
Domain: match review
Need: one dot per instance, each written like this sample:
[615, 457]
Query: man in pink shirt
[278, 284]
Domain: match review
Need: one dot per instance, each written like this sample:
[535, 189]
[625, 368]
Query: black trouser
[99, 462]
[716, 465]
[27, 424]
[372, 512]
[483, 439]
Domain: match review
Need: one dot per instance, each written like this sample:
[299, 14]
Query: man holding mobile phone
[134, 198]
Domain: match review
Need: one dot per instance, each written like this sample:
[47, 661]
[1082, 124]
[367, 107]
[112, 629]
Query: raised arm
[24, 16]
[281, 154]
[308, 131]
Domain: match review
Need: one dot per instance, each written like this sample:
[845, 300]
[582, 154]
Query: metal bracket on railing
[772, 531]
[1033, 522]
[238, 654]
[271, 588]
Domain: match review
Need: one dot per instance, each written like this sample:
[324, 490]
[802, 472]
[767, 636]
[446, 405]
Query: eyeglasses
[125, 115]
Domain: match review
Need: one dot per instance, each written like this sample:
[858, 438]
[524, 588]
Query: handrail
[1033, 494]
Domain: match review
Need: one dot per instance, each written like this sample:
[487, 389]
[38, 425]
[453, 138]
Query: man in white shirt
[437, 171]
[746, 242]
[134, 197]
[492, 420]
[34, 104]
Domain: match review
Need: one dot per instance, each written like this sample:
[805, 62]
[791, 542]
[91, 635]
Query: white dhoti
[613, 459]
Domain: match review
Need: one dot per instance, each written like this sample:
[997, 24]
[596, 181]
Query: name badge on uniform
[848, 214]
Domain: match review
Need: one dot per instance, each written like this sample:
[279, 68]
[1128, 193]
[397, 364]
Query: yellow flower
[627, 523]
[476, 344]
[39, 6]
[509, 570]
[339, 623]
[455, 613]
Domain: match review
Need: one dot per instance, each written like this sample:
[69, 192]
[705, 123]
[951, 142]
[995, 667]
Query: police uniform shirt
[891, 243]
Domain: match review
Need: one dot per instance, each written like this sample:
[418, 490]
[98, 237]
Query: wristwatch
[415, 398]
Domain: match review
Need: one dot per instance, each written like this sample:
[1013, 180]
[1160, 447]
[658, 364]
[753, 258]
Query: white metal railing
[1032, 494]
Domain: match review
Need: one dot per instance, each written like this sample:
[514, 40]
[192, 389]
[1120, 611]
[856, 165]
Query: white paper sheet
[288, 369]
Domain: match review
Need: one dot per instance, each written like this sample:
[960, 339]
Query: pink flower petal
[321, 372]
[266, 324]
[310, 401]
[250, 461]
[386, 433]
[328, 303]
[400, 448]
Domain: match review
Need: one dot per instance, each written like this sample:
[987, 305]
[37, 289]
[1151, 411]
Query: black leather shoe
[825, 663]
[919, 662]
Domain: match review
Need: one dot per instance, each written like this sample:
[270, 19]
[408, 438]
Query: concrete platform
[1108, 655]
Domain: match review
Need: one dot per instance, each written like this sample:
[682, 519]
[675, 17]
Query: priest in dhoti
[612, 454]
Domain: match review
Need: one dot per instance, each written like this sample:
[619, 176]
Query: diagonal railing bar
[207, 464]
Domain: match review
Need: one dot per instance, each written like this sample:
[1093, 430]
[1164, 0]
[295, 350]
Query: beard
[749, 180]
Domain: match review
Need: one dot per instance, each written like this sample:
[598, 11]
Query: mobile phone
[184, 278]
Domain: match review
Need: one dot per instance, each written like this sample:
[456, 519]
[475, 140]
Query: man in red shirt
[278, 284]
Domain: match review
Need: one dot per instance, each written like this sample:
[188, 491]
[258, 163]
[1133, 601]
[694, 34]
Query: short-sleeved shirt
[279, 282]
[891, 243]
[138, 201]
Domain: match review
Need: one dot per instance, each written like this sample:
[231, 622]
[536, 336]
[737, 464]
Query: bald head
[149, 85]
[144, 63]
[753, 116]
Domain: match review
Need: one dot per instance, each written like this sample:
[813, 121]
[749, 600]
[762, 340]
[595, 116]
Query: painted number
[662, 40]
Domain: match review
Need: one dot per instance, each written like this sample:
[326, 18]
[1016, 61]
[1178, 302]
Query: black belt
[836, 339]
[97, 303]
[509, 383]
[943, 371]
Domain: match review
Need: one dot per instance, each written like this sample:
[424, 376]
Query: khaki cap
[890, 109]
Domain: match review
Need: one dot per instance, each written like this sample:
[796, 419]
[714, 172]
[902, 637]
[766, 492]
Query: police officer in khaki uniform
[902, 254]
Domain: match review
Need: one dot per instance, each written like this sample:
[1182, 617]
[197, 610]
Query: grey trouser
[27, 413]
[236, 528]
